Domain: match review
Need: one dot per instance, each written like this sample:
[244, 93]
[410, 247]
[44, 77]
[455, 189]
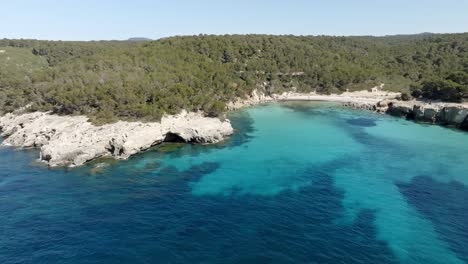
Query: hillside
[109, 80]
[17, 65]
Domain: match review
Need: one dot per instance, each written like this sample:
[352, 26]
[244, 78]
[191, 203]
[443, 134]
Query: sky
[122, 19]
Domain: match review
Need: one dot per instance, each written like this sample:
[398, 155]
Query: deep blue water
[298, 183]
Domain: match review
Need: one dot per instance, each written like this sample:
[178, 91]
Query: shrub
[405, 96]
[445, 90]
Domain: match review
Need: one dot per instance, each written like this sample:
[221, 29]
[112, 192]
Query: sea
[298, 182]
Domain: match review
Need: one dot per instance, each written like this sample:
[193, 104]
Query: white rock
[72, 140]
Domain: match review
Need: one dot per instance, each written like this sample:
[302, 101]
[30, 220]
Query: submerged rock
[362, 122]
[72, 140]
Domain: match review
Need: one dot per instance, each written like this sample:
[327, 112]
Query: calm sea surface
[298, 183]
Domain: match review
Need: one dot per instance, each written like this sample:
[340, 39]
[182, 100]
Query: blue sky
[119, 19]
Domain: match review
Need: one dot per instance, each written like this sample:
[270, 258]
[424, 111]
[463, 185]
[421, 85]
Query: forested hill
[109, 80]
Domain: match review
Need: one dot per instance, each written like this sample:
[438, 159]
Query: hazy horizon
[152, 39]
[119, 20]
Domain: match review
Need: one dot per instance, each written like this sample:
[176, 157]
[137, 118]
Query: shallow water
[298, 183]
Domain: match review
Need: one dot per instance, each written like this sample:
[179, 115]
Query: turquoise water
[298, 183]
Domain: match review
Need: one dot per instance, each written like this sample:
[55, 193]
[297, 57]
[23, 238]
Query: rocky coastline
[437, 113]
[73, 140]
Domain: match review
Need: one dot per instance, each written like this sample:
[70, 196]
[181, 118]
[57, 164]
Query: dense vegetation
[453, 88]
[126, 79]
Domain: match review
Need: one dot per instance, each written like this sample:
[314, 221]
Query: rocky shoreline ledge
[437, 113]
[73, 140]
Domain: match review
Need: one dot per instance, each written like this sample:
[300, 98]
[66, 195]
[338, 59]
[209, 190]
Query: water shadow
[445, 205]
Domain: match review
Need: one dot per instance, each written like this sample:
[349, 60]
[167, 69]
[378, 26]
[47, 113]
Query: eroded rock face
[399, 109]
[426, 113]
[454, 115]
[72, 140]
[464, 125]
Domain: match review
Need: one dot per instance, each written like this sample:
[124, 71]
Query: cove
[299, 182]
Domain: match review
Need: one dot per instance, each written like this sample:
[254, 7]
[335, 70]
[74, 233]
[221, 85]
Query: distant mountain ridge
[139, 39]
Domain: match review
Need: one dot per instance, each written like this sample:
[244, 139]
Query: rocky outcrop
[426, 113]
[454, 115]
[72, 140]
[399, 110]
[254, 98]
[447, 114]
